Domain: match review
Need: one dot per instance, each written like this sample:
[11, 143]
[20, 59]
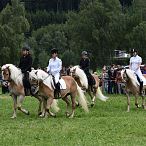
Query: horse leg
[43, 109]
[67, 105]
[14, 106]
[49, 102]
[143, 102]
[128, 102]
[73, 105]
[92, 98]
[20, 100]
[136, 101]
[40, 104]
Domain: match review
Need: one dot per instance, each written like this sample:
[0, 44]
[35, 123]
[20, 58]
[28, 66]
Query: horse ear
[36, 72]
[74, 70]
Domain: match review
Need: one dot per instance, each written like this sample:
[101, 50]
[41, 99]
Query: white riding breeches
[139, 74]
[57, 77]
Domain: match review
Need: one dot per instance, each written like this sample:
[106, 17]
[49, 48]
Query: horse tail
[54, 106]
[82, 99]
[100, 95]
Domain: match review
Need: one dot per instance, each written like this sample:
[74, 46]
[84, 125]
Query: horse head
[73, 72]
[33, 78]
[6, 74]
[124, 75]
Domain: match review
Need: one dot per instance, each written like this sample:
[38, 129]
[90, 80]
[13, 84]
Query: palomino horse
[131, 85]
[46, 88]
[14, 75]
[81, 78]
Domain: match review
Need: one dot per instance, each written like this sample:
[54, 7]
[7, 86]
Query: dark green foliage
[98, 26]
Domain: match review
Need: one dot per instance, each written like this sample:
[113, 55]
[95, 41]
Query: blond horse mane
[82, 76]
[16, 74]
[131, 76]
[43, 76]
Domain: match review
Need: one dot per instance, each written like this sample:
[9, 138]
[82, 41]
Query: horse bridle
[9, 79]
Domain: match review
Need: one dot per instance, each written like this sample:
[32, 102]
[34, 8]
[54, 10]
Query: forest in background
[97, 26]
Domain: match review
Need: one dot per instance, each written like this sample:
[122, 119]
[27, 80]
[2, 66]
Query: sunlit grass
[107, 123]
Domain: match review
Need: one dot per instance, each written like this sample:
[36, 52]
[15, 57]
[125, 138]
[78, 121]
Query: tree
[13, 24]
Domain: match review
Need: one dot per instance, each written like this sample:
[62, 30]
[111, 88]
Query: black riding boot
[141, 88]
[57, 90]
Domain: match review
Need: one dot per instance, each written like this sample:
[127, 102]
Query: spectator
[111, 79]
[144, 70]
[104, 79]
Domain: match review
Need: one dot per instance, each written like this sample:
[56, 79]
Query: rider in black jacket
[25, 66]
[85, 66]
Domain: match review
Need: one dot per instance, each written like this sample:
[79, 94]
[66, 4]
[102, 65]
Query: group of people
[111, 80]
[54, 68]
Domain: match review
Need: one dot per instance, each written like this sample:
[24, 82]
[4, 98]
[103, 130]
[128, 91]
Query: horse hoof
[39, 113]
[138, 106]
[28, 113]
[70, 117]
[67, 114]
[77, 104]
[42, 116]
[92, 104]
[53, 115]
[13, 117]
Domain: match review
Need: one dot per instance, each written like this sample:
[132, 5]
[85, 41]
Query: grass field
[107, 123]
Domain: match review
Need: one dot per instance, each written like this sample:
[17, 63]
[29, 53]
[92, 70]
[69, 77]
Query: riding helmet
[133, 50]
[84, 53]
[25, 49]
[54, 50]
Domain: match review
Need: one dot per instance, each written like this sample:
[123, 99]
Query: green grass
[107, 123]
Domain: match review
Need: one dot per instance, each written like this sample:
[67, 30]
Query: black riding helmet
[54, 50]
[25, 49]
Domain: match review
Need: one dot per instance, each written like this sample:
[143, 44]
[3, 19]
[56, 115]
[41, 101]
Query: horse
[78, 74]
[132, 85]
[46, 88]
[14, 76]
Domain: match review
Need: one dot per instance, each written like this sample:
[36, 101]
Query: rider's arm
[48, 68]
[130, 63]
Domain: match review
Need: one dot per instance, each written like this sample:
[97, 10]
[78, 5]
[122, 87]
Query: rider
[25, 66]
[135, 62]
[54, 68]
[85, 66]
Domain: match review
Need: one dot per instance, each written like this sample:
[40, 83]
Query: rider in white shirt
[135, 62]
[54, 68]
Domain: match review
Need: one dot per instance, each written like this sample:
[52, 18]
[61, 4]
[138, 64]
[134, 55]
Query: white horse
[46, 88]
[131, 85]
[14, 76]
[82, 81]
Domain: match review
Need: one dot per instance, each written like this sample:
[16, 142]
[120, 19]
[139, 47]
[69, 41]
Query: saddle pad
[62, 84]
[143, 79]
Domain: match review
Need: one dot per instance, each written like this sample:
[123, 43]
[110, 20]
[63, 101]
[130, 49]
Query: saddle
[140, 85]
[61, 85]
[27, 86]
[91, 82]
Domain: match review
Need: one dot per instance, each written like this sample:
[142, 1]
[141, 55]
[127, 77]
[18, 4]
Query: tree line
[97, 26]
